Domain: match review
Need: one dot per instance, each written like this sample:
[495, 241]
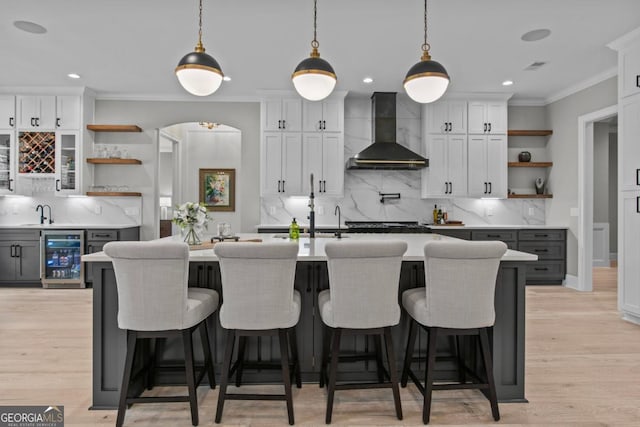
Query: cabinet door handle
[638, 204]
[283, 181]
[450, 187]
[101, 235]
[308, 279]
[11, 121]
[446, 126]
[541, 250]
[317, 278]
[541, 268]
[13, 251]
[279, 124]
[450, 127]
[638, 80]
[33, 124]
[489, 127]
[637, 176]
[10, 182]
[284, 124]
[58, 122]
[493, 236]
[38, 121]
[324, 125]
[485, 188]
[541, 235]
[485, 127]
[490, 188]
[319, 124]
[57, 185]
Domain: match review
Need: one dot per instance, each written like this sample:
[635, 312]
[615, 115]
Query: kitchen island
[507, 338]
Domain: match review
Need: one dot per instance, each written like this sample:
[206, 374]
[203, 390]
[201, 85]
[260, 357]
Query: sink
[317, 236]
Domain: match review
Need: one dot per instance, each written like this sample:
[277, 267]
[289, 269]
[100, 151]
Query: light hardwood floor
[582, 369]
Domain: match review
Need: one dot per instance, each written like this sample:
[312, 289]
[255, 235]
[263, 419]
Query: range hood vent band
[385, 152]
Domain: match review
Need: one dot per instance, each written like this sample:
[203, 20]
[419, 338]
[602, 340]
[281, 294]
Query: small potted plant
[191, 217]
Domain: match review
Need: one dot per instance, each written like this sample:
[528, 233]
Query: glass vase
[191, 235]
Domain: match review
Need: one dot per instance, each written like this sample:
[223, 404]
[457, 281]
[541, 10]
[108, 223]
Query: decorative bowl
[524, 156]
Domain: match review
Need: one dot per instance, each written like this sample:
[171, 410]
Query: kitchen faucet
[312, 214]
[42, 217]
[338, 234]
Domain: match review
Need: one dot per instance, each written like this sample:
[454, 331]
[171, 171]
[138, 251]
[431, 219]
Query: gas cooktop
[386, 227]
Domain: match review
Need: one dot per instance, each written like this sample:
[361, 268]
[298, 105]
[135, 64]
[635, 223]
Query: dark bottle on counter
[435, 214]
[440, 218]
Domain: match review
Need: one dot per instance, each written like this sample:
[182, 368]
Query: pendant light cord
[314, 42]
[199, 46]
[425, 45]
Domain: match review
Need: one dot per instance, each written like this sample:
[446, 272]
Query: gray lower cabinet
[551, 248]
[96, 239]
[510, 237]
[19, 257]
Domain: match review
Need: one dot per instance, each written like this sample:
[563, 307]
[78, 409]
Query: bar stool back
[258, 299]
[362, 299]
[154, 302]
[458, 299]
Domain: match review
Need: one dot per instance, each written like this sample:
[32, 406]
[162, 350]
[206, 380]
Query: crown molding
[116, 96]
[592, 81]
[45, 90]
[623, 42]
[527, 102]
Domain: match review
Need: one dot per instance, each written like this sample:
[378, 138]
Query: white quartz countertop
[313, 249]
[493, 227]
[64, 226]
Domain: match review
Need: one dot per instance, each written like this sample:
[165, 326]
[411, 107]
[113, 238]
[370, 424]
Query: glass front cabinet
[7, 162]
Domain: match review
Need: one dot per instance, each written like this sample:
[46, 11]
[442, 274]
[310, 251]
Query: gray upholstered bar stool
[259, 300]
[362, 299]
[154, 302]
[458, 299]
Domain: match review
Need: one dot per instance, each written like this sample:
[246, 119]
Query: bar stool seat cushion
[201, 303]
[414, 302]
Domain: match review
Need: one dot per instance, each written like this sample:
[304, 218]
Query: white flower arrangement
[188, 216]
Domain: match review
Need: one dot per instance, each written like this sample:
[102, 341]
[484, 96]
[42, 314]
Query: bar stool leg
[333, 372]
[126, 376]
[488, 366]
[208, 359]
[462, 371]
[242, 344]
[408, 357]
[228, 353]
[189, 371]
[428, 382]
[293, 343]
[325, 354]
[393, 373]
[284, 357]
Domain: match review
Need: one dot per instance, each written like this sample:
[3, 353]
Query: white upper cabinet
[630, 64]
[282, 114]
[36, 112]
[327, 116]
[68, 112]
[66, 155]
[487, 159]
[446, 117]
[281, 164]
[446, 176]
[7, 162]
[487, 117]
[323, 156]
[7, 112]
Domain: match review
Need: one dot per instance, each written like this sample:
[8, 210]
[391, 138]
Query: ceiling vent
[535, 65]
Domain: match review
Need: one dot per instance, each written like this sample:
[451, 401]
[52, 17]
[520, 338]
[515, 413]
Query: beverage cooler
[60, 265]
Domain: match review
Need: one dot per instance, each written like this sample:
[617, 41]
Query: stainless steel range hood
[385, 152]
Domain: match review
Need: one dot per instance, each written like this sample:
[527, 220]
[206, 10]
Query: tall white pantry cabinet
[628, 48]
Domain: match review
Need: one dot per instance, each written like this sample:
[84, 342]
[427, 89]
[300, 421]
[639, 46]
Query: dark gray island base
[109, 342]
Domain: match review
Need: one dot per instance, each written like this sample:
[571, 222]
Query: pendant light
[427, 80]
[314, 78]
[198, 73]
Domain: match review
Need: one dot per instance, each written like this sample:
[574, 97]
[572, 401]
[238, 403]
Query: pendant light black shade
[197, 72]
[427, 80]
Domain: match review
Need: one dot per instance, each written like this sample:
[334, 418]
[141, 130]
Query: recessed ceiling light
[536, 35]
[367, 80]
[507, 83]
[73, 76]
[29, 27]
[226, 78]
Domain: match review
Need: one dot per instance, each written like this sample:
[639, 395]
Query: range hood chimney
[385, 152]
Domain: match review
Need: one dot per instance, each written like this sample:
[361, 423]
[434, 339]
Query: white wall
[562, 117]
[613, 192]
[601, 172]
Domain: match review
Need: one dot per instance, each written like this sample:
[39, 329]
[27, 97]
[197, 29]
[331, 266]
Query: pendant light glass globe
[314, 78]
[198, 73]
[427, 80]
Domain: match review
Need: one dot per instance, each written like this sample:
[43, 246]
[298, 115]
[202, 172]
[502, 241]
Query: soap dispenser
[294, 230]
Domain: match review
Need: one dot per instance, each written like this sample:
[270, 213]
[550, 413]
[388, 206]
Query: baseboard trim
[613, 256]
[570, 281]
[632, 318]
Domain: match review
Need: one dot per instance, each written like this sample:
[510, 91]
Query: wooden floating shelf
[514, 132]
[530, 164]
[530, 196]
[114, 193]
[102, 161]
[114, 128]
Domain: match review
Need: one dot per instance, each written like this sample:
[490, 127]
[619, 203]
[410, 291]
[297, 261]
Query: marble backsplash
[361, 201]
[72, 210]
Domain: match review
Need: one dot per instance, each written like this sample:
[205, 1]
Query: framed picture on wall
[218, 189]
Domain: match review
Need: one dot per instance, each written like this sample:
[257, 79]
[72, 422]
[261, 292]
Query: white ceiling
[131, 47]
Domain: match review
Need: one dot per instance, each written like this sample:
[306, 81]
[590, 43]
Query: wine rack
[37, 152]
